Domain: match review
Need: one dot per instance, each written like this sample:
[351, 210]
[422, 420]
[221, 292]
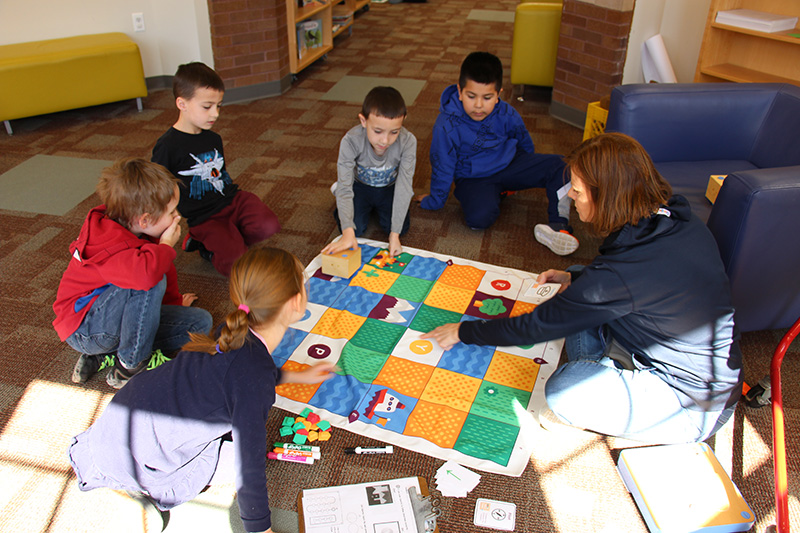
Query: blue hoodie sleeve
[518, 131]
[443, 164]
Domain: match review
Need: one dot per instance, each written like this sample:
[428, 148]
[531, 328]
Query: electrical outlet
[138, 21]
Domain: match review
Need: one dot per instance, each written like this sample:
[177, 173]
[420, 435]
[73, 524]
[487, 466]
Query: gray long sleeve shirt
[357, 161]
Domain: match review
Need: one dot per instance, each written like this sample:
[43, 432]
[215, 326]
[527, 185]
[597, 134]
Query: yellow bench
[60, 74]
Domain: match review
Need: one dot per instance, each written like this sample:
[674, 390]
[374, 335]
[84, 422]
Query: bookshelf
[311, 12]
[733, 54]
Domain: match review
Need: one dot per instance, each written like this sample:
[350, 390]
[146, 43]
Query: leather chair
[749, 132]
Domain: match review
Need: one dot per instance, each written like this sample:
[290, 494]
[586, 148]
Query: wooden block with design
[342, 264]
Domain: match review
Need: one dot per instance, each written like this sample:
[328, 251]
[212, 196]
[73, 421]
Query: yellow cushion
[59, 74]
[535, 43]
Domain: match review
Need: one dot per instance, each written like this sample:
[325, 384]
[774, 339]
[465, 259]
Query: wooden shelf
[730, 53]
[296, 15]
[342, 29]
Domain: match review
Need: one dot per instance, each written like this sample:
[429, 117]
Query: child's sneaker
[334, 187]
[89, 365]
[558, 238]
[157, 359]
[118, 376]
[191, 245]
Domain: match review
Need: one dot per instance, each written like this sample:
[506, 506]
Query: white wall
[681, 24]
[176, 31]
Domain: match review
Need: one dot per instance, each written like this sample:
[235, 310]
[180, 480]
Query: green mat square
[400, 263]
[487, 439]
[410, 288]
[378, 336]
[361, 363]
[429, 318]
[501, 403]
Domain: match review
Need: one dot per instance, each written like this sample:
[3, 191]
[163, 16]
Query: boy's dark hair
[481, 67]
[384, 102]
[192, 76]
[132, 186]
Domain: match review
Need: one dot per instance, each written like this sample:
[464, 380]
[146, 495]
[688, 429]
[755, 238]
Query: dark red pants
[229, 233]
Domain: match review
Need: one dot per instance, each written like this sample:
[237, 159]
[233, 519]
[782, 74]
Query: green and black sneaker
[89, 365]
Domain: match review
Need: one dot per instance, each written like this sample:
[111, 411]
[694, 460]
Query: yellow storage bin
[596, 118]
[535, 43]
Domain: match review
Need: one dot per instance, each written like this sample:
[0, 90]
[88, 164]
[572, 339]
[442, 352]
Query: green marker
[293, 446]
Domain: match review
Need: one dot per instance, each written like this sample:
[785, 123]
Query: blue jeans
[367, 198]
[594, 392]
[134, 323]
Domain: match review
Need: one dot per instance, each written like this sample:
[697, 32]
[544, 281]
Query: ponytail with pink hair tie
[244, 308]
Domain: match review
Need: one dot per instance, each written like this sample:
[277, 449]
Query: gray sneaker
[89, 365]
[118, 375]
[560, 242]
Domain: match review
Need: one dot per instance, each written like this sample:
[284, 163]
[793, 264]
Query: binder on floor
[683, 488]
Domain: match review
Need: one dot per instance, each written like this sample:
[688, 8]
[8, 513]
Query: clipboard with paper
[392, 506]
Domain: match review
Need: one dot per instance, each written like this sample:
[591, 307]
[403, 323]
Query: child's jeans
[480, 197]
[367, 198]
[594, 392]
[228, 234]
[133, 323]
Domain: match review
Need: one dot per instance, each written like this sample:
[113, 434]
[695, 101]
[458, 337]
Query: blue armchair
[751, 132]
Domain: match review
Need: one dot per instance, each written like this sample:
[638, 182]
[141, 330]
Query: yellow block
[714, 185]
[342, 264]
[59, 74]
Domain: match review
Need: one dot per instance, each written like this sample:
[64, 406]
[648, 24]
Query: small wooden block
[324, 435]
[342, 264]
[313, 418]
[324, 425]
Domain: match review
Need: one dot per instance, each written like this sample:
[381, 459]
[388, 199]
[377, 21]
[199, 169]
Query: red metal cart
[778, 437]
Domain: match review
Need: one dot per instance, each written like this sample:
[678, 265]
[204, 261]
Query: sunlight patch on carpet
[354, 88]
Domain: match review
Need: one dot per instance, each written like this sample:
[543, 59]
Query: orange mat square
[297, 391]
[450, 388]
[438, 424]
[404, 376]
[464, 276]
[337, 324]
[450, 298]
[374, 280]
[512, 371]
[521, 308]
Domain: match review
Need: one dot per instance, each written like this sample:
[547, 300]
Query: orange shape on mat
[404, 376]
[374, 280]
[336, 324]
[450, 388]
[521, 308]
[512, 371]
[438, 424]
[297, 391]
[464, 276]
[450, 298]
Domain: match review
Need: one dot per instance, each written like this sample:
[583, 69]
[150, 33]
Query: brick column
[591, 54]
[251, 47]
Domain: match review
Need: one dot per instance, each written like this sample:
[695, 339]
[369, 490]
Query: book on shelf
[309, 35]
[756, 20]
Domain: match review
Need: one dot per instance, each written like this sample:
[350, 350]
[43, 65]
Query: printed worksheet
[379, 507]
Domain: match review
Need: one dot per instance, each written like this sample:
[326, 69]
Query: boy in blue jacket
[481, 144]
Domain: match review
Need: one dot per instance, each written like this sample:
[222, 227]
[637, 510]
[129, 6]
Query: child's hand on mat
[347, 242]
[172, 234]
[316, 374]
[446, 336]
[189, 298]
[394, 245]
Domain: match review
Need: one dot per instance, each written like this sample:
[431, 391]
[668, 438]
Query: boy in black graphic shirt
[223, 220]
